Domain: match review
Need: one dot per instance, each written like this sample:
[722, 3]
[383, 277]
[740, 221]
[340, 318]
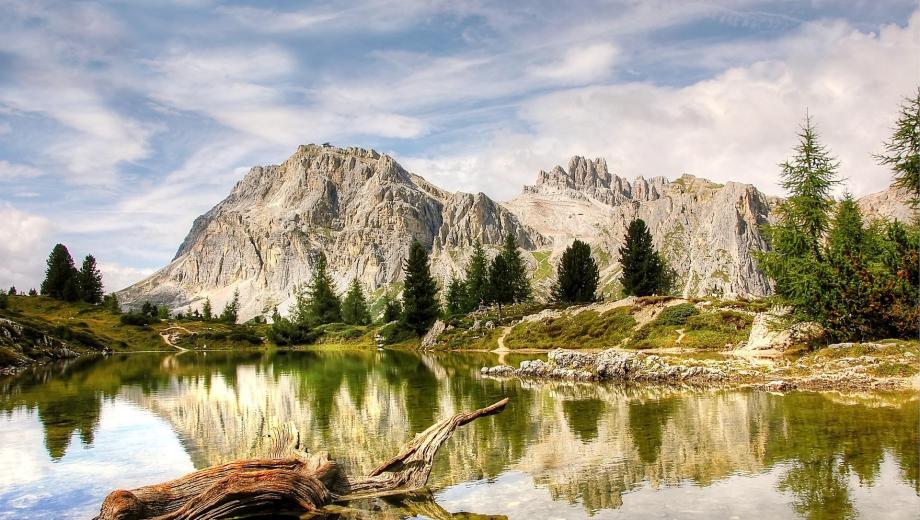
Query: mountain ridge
[362, 209]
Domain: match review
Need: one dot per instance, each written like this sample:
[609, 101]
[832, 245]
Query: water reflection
[590, 446]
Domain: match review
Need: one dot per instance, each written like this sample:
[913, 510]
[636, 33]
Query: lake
[71, 433]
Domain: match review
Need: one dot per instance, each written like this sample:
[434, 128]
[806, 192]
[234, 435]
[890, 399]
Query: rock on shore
[609, 365]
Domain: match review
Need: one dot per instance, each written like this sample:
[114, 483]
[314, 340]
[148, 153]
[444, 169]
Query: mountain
[362, 209]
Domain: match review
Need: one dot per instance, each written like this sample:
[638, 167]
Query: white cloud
[737, 125]
[272, 21]
[116, 277]
[10, 171]
[580, 64]
[24, 245]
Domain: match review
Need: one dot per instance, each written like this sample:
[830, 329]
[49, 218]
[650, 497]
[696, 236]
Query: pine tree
[60, 270]
[301, 312]
[420, 292]
[392, 310]
[325, 306]
[517, 272]
[577, 275]
[286, 332]
[33, 292]
[12, 291]
[844, 304]
[72, 289]
[206, 313]
[90, 281]
[456, 296]
[477, 278]
[903, 150]
[501, 287]
[644, 271]
[231, 309]
[354, 306]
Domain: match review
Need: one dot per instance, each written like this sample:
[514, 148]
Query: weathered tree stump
[290, 481]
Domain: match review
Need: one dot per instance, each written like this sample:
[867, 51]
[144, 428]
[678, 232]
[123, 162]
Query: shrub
[677, 314]
[136, 319]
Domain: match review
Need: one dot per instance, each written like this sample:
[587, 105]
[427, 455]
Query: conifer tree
[110, 302]
[577, 275]
[354, 306]
[644, 271]
[231, 309]
[845, 284]
[163, 312]
[90, 281]
[520, 285]
[392, 310]
[72, 291]
[456, 296]
[33, 292]
[207, 314]
[12, 291]
[477, 279]
[902, 151]
[420, 292]
[60, 270]
[325, 306]
[795, 261]
[501, 286]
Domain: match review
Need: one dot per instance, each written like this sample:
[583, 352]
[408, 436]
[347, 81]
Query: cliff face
[359, 207]
[362, 209]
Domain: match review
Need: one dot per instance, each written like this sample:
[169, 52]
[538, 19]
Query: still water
[71, 433]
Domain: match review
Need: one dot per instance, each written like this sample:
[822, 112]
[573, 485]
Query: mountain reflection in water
[570, 450]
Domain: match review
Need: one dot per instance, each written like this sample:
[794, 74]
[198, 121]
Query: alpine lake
[71, 433]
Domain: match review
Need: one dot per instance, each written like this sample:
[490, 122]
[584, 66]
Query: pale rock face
[891, 204]
[359, 207]
[362, 209]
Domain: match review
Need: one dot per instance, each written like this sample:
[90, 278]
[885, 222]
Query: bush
[284, 332]
[4, 301]
[136, 319]
[395, 332]
[677, 314]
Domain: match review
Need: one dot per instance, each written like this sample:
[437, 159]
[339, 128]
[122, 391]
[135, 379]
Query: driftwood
[289, 481]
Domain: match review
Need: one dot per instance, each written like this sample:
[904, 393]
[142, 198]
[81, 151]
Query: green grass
[466, 339]
[544, 270]
[704, 331]
[587, 329]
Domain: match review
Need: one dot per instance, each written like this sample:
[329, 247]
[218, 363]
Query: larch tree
[477, 278]
[325, 306]
[354, 306]
[456, 296]
[517, 272]
[902, 151]
[59, 273]
[231, 310]
[90, 281]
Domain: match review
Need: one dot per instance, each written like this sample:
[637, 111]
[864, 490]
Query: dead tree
[289, 480]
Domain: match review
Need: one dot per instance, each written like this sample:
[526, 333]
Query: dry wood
[292, 481]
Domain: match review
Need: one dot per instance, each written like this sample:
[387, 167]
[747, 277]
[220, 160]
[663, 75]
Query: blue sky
[122, 121]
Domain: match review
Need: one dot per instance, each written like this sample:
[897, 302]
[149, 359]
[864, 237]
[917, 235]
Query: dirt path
[169, 337]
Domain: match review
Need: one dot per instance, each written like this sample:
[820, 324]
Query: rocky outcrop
[358, 207]
[609, 365]
[891, 204]
[22, 345]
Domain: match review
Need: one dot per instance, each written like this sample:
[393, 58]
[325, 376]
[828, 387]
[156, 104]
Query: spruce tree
[354, 306]
[90, 281]
[456, 296]
[577, 275]
[325, 306]
[644, 271]
[420, 292]
[60, 270]
[392, 310]
[845, 282]
[902, 151]
[207, 314]
[501, 286]
[231, 309]
[12, 291]
[72, 290]
[477, 278]
[517, 272]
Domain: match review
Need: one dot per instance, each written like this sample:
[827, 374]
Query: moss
[587, 329]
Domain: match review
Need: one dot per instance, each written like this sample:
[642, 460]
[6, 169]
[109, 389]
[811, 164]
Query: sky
[122, 121]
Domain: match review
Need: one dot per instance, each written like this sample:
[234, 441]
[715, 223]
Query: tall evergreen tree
[457, 297]
[501, 286]
[325, 306]
[577, 275]
[110, 302]
[844, 282]
[644, 271]
[72, 291]
[420, 292]
[477, 278]
[207, 314]
[12, 291]
[517, 272]
[902, 151]
[795, 261]
[231, 309]
[90, 281]
[354, 306]
[60, 270]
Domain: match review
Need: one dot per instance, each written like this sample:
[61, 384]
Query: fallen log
[290, 481]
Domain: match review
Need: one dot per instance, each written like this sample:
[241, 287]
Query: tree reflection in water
[585, 444]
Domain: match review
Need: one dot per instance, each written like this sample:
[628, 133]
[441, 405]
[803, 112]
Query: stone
[430, 340]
